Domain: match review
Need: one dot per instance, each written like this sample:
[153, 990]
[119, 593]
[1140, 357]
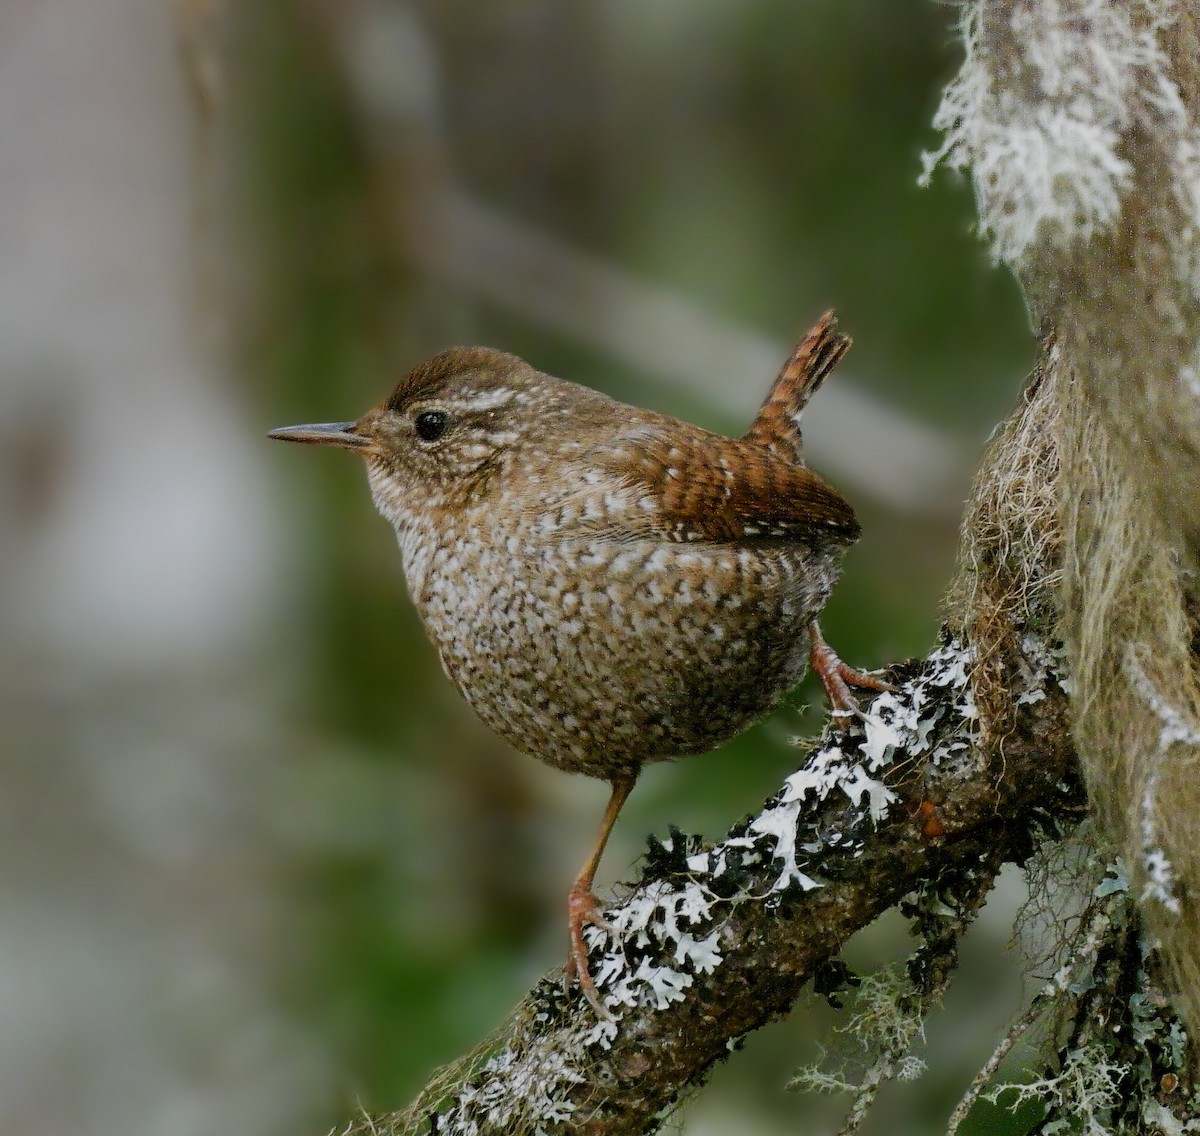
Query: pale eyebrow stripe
[489, 400]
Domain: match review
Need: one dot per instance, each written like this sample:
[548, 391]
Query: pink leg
[583, 907]
[837, 678]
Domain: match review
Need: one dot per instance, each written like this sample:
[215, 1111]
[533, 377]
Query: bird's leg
[837, 678]
[582, 905]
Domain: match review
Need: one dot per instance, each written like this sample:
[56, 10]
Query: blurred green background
[267, 869]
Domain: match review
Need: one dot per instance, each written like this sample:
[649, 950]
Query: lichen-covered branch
[714, 942]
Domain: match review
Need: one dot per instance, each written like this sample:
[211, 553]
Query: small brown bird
[607, 586]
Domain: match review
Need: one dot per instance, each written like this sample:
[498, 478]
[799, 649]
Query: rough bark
[1079, 123]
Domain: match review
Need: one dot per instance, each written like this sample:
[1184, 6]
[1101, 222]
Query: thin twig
[1016, 1030]
[1102, 913]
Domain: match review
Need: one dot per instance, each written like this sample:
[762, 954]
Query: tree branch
[715, 942]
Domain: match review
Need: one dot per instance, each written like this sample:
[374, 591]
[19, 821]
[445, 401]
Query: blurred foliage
[761, 158]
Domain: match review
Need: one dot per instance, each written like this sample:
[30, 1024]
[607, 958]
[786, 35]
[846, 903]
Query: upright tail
[777, 426]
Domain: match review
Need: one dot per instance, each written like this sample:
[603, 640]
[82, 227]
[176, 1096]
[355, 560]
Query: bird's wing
[682, 483]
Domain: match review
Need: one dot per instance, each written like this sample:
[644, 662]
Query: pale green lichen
[875, 1042]
[1040, 121]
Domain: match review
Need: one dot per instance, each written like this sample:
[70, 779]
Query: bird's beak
[324, 434]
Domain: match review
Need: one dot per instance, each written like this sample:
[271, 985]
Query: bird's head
[454, 427]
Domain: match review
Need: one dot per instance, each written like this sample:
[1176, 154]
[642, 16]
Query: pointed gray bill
[323, 434]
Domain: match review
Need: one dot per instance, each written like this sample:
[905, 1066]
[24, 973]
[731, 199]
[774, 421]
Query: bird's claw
[583, 908]
[837, 678]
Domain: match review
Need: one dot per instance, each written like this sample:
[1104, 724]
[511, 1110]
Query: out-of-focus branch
[391, 68]
[859, 440]
[199, 29]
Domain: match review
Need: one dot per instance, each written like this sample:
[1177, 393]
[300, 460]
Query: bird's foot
[583, 907]
[837, 678]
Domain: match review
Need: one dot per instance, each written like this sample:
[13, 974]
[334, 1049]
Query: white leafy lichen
[1040, 663]
[514, 1091]
[681, 921]
[654, 915]
[1157, 1117]
[1160, 880]
[1176, 727]
[1041, 111]
[779, 824]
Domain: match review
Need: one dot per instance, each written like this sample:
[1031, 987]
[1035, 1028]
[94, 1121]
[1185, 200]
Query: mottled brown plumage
[607, 586]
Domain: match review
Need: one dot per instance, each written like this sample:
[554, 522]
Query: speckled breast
[599, 654]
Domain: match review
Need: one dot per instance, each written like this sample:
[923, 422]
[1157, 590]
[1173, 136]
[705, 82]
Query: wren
[607, 586]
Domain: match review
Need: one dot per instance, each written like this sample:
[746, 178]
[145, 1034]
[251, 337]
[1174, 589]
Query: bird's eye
[431, 424]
